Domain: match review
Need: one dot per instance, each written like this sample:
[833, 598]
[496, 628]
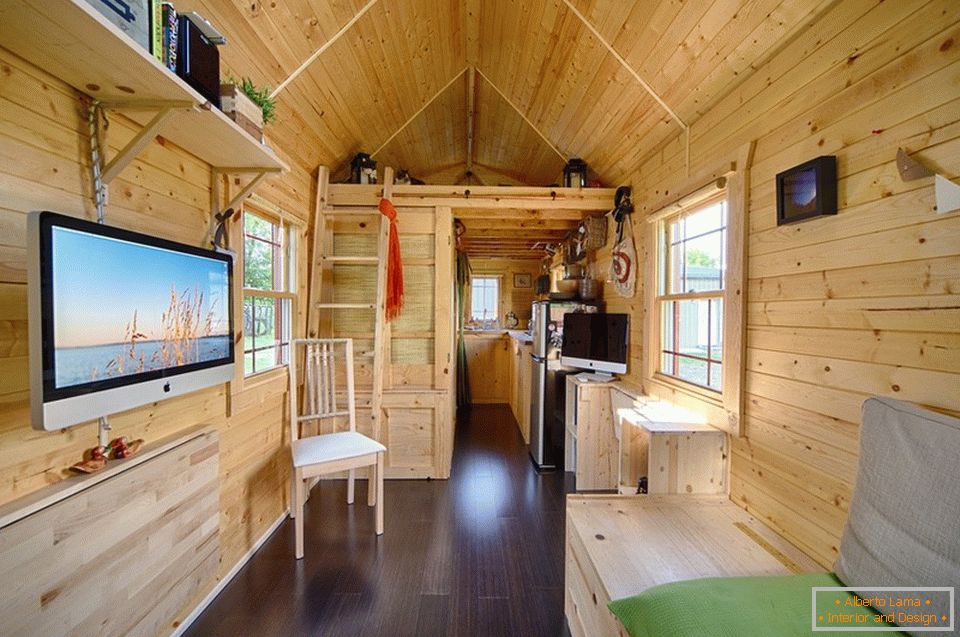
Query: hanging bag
[623, 258]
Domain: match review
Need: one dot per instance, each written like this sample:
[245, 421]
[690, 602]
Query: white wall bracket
[259, 174]
[146, 135]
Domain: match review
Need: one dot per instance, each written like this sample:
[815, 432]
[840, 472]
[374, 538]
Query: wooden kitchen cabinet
[488, 361]
[520, 377]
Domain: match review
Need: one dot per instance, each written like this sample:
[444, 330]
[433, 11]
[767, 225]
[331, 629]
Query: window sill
[263, 378]
[713, 398]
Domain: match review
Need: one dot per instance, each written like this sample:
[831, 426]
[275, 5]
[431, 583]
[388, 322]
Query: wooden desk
[618, 546]
[670, 446]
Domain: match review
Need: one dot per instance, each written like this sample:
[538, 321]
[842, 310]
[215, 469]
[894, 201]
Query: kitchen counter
[522, 337]
[484, 334]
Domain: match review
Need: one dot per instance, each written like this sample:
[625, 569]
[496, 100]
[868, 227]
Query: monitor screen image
[133, 309]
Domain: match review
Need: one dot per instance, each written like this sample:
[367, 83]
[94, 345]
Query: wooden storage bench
[621, 545]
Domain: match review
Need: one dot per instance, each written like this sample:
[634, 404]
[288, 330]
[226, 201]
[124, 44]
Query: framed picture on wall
[522, 280]
[808, 190]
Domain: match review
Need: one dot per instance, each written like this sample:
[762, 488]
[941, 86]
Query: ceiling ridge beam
[420, 110]
[326, 45]
[471, 115]
[521, 114]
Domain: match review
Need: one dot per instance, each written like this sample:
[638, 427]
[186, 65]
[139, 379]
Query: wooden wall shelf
[72, 41]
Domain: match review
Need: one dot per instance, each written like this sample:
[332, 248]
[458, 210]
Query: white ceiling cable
[636, 76]
[326, 45]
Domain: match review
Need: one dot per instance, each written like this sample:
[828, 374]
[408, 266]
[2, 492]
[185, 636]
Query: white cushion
[335, 446]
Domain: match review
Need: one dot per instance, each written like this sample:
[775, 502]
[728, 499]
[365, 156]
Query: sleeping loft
[559, 318]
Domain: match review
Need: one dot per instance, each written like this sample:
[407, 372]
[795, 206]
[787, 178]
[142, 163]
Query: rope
[99, 188]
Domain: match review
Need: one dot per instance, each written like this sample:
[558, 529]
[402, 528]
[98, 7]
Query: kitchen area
[516, 360]
[547, 307]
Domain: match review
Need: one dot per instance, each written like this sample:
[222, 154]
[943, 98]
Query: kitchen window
[691, 270]
[484, 298]
[269, 290]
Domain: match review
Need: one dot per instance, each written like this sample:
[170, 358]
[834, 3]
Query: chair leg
[371, 485]
[294, 514]
[379, 493]
[298, 504]
[351, 478]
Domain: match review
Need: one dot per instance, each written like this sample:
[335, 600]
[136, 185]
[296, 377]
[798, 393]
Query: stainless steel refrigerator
[548, 381]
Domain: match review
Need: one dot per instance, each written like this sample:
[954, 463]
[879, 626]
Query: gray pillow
[904, 522]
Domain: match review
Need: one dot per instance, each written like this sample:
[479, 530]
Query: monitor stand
[595, 377]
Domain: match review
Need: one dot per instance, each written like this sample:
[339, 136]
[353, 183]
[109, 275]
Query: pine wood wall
[166, 192]
[839, 308]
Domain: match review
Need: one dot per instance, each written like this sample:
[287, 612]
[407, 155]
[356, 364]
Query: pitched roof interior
[396, 82]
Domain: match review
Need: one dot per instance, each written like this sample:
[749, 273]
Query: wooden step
[334, 259]
[346, 306]
[349, 212]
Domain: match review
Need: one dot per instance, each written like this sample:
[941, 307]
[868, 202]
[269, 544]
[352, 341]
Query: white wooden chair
[328, 453]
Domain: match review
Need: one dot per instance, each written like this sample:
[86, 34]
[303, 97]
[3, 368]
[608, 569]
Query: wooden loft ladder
[321, 306]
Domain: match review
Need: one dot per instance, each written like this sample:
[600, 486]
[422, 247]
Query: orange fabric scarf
[394, 263]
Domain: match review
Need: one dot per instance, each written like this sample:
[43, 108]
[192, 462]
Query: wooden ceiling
[545, 88]
[514, 234]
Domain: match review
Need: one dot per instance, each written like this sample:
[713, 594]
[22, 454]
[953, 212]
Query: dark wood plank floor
[479, 554]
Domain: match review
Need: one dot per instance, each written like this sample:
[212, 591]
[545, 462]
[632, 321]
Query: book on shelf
[156, 20]
[170, 28]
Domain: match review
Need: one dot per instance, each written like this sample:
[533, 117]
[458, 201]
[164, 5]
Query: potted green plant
[250, 107]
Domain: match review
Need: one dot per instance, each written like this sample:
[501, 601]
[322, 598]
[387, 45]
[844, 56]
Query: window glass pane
[692, 369]
[484, 298]
[716, 329]
[267, 329]
[248, 334]
[257, 226]
[692, 340]
[703, 265]
[716, 377]
[694, 251]
[677, 260]
[258, 261]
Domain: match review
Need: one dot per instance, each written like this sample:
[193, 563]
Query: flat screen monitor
[597, 342]
[119, 319]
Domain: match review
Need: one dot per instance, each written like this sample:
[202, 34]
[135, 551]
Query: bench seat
[621, 545]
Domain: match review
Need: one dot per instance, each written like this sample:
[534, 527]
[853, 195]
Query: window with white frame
[269, 290]
[690, 284]
[484, 298]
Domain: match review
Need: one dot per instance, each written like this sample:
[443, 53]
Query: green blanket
[736, 607]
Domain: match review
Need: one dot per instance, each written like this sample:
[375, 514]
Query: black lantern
[363, 170]
[575, 173]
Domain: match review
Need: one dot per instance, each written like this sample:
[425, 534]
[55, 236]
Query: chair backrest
[319, 381]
